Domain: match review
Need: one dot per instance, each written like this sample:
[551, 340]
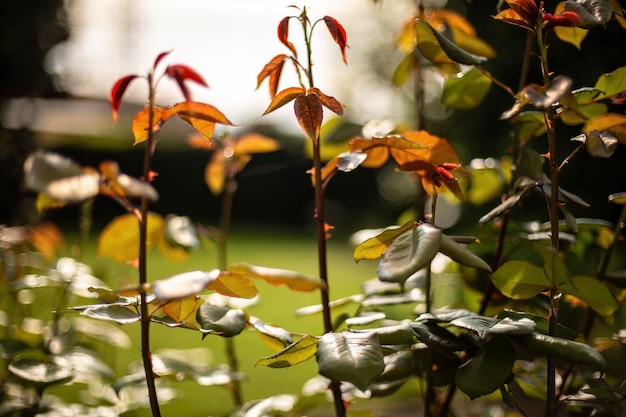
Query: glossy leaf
[278, 277]
[223, 320]
[40, 373]
[141, 123]
[183, 285]
[488, 370]
[118, 90]
[180, 231]
[567, 349]
[466, 90]
[308, 109]
[553, 266]
[393, 334]
[591, 12]
[615, 123]
[439, 49]
[234, 285]
[522, 13]
[373, 248]
[116, 313]
[183, 73]
[618, 198]
[192, 112]
[104, 332]
[297, 352]
[127, 186]
[120, 238]
[461, 254]
[408, 253]
[331, 103]
[520, 280]
[613, 83]
[275, 337]
[599, 145]
[285, 96]
[592, 292]
[41, 168]
[283, 34]
[273, 70]
[338, 34]
[570, 34]
[352, 357]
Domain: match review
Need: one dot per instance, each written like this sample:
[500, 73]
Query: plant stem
[143, 270]
[554, 219]
[225, 218]
[320, 223]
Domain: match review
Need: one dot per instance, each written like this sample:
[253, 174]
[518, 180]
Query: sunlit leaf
[278, 277]
[159, 58]
[105, 332]
[405, 69]
[329, 102]
[183, 285]
[120, 238]
[618, 198]
[182, 73]
[275, 337]
[226, 321]
[40, 373]
[582, 106]
[285, 96]
[439, 49]
[553, 266]
[591, 12]
[544, 98]
[47, 238]
[141, 123]
[522, 13]
[466, 90]
[613, 83]
[570, 34]
[592, 292]
[488, 370]
[283, 34]
[118, 90]
[74, 189]
[133, 187]
[180, 231]
[520, 280]
[426, 147]
[215, 173]
[392, 335]
[567, 349]
[297, 352]
[308, 109]
[600, 145]
[338, 34]
[252, 143]
[374, 247]
[42, 168]
[273, 70]
[349, 161]
[612, 122]
[194, 113]
[530, 124]
[117, 313]
[352, 357]
[234, 285]
[619, 13]
[461, 254]
[408, 253]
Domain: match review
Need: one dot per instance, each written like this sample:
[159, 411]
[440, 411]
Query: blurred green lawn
[286, 249]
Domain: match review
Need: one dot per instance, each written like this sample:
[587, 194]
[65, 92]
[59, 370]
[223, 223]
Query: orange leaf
[118, 91]
[234, 285]
[283, 98]
[283, 33]
[329, 169]
[199, 142]
[142, 120]
[255, 143]
[182, 73]
[309, 113]
[437, 151]
[329, 102]
[181, 309]
[338, 33]
[200, 116]
[46, 238]
[272, 69]
[376, 155]
[215, 172]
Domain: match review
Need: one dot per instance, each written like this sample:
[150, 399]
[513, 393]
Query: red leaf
[338, 33]
[118, 91]
[283, 33]
[562, 19]
[309, 113]
[182, 73]
[272, 69]
[159, 58]
[283, 98]
[329, 102]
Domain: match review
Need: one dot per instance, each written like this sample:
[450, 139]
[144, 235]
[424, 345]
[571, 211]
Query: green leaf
[116, 313]
[184, 285]
[593, 292]
[553, 266]
[530, 124]
[520, 280]
[404, 69]
[487, 326]
[488, 370]
[566, 349]
[39, 373]
[408, 253]
[530, 163]
[392, 335]
[352, 357]
[460, 254]
[437, 48]
[613, 83]
[465, 90]
[223, 320]
[583, 107]
[297, 352]
[439, 338]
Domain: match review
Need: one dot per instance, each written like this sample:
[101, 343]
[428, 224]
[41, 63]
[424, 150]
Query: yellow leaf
[255, 143]
[233, 285]
[278, 277]
[141, 123]
[374, 247]
[215, 172]
[613, 122]
[297, 352]
[172, 253]
[180, 310]
[570, 34]
[120, 238]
